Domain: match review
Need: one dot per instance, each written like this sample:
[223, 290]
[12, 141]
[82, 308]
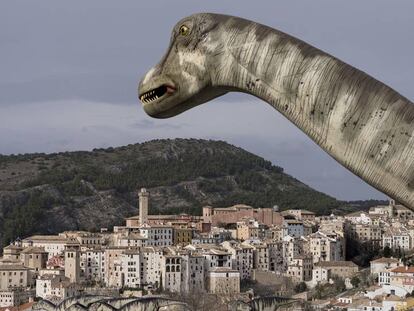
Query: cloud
[145, 124]
[79, 124]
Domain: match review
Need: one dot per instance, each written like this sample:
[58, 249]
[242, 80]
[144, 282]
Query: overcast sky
[69, 73]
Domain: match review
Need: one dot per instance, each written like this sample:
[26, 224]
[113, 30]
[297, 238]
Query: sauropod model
[362, 123]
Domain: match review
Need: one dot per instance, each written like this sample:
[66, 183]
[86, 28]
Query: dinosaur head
[183, 77]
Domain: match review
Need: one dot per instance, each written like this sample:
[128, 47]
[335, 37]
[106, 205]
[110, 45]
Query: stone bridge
[99, 303]
[154, 303]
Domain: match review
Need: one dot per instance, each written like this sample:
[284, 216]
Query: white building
[157, 235]
[53, 244]
[131, 268]
[293, 228]
[382, 264]
[130, 240]
[92, 263]
[55, 287]
[396, 238]
[15, 297]
[151, 265]
[172, 279]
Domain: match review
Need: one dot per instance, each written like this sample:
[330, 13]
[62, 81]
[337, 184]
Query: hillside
[48, 193]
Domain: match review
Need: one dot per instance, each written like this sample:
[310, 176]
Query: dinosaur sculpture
[362, 123]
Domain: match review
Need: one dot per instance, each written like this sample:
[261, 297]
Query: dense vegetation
[42, 193]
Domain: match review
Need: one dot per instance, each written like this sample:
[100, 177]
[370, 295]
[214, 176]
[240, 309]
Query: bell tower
[143, 196]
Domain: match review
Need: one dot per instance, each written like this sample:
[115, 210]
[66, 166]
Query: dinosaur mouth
[157, 93]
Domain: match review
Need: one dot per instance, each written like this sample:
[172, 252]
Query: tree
[387, 251]
[339, 284]
[355, 281]
[301, 287]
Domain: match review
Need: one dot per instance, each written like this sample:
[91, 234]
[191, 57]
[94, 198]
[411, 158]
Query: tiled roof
[46, 238]
[403, 270]
[33, 249]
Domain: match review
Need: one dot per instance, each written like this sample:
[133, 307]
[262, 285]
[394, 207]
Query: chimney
[143, 206]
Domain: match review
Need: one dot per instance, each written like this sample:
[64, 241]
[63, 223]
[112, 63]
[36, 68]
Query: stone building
[233, 214]
[14, 276]
[323, 271]
[34, 258]
[12, 252]
[224, 281]
[300, 214]
[52, 244]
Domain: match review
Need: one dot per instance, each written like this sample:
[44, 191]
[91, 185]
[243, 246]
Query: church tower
[72, 265]
[143, 206]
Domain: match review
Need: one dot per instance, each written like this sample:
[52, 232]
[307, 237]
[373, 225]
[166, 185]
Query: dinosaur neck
[359, 121]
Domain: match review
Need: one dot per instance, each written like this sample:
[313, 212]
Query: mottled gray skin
[362, 123]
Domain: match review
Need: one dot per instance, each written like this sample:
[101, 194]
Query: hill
[49, 193]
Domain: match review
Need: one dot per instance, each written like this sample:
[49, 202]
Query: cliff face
[42, 193]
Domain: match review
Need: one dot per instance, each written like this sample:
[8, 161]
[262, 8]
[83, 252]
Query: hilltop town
[236, 253]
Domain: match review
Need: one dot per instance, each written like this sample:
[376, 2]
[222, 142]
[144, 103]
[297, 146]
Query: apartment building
[92, 264]
[300, 268]
[397, 238]
[241, 257]
[14, 276]
[324, 246]
[157, 235]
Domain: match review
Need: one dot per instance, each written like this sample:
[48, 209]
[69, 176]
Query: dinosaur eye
[184, 30]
